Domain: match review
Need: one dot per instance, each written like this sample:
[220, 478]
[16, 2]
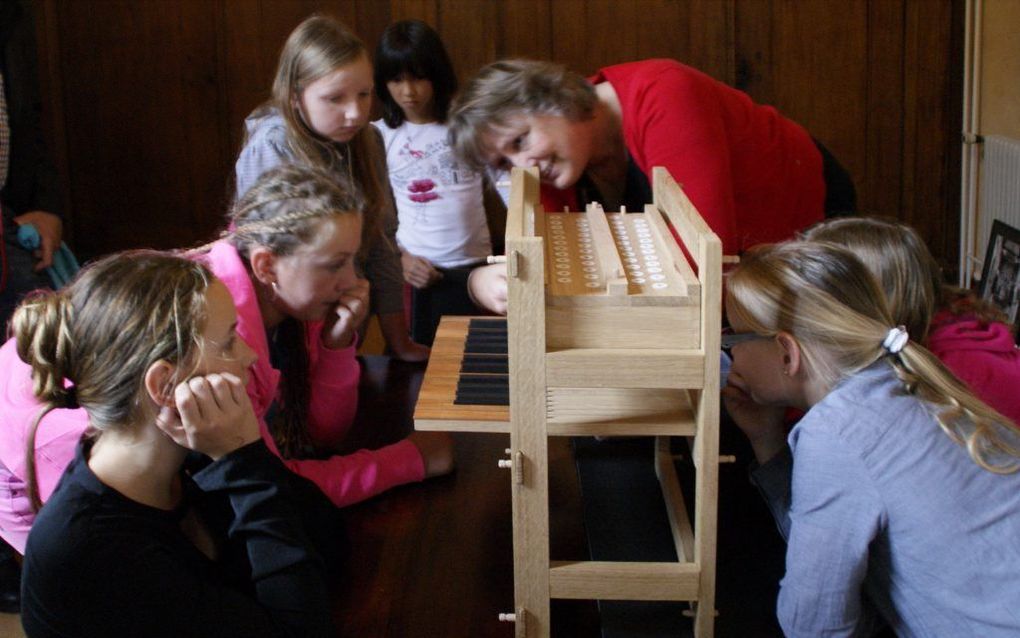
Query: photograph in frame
[1000, 277]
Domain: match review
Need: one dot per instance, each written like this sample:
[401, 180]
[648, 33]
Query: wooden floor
[10, 626]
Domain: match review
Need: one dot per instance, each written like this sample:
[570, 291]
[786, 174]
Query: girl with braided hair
[136, 538]
[898, 490]
[288, 265]
[318, 116]
[288, 261]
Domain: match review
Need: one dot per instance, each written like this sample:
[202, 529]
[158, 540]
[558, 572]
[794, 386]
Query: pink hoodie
[334, 379]
[55, 441]
[983, 355]
[333, 374]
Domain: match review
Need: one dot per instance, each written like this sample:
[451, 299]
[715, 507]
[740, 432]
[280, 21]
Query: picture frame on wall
[1000, 277]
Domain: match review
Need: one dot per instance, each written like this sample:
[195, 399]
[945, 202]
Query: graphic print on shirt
[427, 170]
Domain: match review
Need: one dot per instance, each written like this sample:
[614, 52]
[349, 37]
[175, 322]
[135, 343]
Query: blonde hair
[827, 299]
[911, 277]
[282, 211]
[101, 334]
[317, 47]
[899, 260]
[510, 88]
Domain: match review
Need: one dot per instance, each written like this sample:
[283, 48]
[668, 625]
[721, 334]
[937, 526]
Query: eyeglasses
[730, 338]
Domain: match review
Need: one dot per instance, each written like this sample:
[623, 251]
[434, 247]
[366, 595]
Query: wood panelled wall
[145, 98]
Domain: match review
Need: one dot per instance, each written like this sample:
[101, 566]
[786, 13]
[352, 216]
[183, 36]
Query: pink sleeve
[55, 443]
[353, 478]
[350, 478]
[675, 123]
[333, 395]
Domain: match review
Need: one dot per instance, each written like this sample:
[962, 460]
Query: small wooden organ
[613, 330]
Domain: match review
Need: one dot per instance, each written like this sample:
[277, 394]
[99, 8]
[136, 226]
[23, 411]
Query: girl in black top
[131, 543]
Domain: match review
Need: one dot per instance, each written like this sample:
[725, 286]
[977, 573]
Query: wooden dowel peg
[495, 259]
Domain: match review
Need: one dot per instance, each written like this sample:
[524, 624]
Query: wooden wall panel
[880, 184]
[132, 120]
[590, 34]
[828, 58]
[526, 30]
[470, 31]
[146, 99]
[931, 127]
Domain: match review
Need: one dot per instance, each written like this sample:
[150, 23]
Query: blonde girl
[318, 117]
[127, 545]
[289, 263]
[898, 490]
[969, 335]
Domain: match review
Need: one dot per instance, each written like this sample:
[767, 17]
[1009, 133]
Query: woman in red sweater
[754, 175]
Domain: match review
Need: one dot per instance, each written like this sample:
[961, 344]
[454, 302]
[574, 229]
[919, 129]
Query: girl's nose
[522, 160]
[248, 354]
[347, 278]
[354, 111]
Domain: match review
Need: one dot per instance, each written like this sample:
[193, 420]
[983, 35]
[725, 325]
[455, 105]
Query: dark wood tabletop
[435, 559]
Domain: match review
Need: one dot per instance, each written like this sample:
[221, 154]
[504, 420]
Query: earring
[276, 289]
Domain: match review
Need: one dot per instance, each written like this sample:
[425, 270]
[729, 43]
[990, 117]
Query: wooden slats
[676, 510]
[624, 368]
[605, 251]
[623, 581]
[678, 209]
[618, 411]
[667, 243]
[641, 327]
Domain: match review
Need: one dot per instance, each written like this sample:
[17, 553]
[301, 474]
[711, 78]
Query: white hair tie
[896, 339]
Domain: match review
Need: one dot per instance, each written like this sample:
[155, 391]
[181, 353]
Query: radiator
[1000, 190]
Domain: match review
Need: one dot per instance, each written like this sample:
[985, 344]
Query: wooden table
[435, 559]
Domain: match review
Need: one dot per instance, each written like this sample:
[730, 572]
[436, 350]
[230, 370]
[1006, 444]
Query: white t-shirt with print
[439, 199]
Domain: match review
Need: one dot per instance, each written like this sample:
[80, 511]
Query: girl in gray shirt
[897, 491]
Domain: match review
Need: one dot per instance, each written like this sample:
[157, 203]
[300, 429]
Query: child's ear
[159, 383]
[791, 353]
[263, 265]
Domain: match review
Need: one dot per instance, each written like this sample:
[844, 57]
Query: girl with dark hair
[442, 229]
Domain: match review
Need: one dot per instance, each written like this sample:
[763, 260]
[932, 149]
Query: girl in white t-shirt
[442, 229]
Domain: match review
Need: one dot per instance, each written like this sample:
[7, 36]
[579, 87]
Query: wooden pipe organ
[613, 330]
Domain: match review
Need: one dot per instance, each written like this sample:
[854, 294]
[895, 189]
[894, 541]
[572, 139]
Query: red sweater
[754, 175]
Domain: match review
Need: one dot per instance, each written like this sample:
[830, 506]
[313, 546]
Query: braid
[282, 212]
[284, 192]
[282, 224]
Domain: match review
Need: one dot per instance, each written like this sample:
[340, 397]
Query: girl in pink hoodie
[970, 336]
[288, 264]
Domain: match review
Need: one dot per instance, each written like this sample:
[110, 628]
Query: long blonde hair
[119, 316]
[315, 48]
[899, 260]
[828, 300]
[907, 271]
[281, 212]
